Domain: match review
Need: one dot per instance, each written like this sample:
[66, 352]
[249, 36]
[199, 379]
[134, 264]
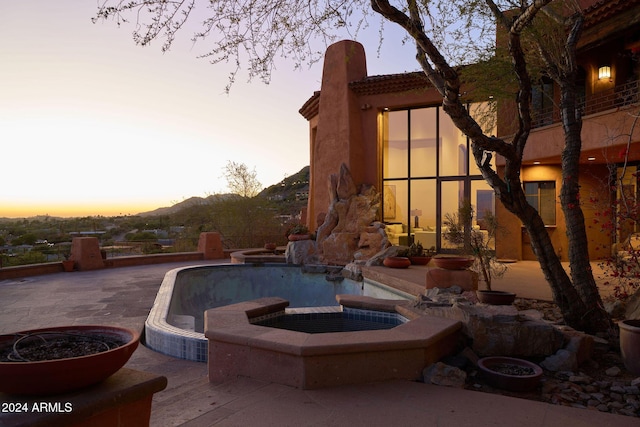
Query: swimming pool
[176, 321]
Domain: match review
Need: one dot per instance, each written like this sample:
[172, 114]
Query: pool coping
[165, 338]
[309, 361]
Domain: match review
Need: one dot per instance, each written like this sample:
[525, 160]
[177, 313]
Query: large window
[542, 103]
[542, 196]
[427, 173]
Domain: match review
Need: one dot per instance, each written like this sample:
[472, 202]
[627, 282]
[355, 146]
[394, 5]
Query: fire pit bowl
[509, 373]
[115, 346]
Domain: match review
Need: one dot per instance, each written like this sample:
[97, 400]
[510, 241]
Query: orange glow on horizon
[70, 210]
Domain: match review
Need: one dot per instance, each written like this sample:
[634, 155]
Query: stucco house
[391, 132]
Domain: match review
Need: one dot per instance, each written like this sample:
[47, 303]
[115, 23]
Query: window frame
[541, 198]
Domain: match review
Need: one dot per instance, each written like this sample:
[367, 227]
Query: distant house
[160, 234]
[86, 233]
[391, 132]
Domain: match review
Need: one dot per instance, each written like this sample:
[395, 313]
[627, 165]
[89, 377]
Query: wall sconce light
[417, 213]
[604, 72]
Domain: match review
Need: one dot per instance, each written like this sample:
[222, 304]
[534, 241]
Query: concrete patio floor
[124, 296]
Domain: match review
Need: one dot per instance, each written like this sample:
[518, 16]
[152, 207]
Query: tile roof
[310, 108]
[597, 11]
[373, 85]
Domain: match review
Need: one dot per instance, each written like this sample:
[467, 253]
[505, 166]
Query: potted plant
[479, 246]
[622, 272]
[418, 255]
[68, 264]
[630, 344]
[298, 232]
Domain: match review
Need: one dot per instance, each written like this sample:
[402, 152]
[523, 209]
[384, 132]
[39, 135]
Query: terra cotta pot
[452, 262]
[496, 297]
[62, 375]
[68, 265]
[397, 262]
[419, 260]
[488, 366]
[298, 237]
[630, 344]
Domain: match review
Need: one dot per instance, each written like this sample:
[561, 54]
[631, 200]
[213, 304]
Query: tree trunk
[564, 293]
[594, 316]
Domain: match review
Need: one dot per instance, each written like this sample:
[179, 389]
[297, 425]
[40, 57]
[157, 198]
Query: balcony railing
[619, 96]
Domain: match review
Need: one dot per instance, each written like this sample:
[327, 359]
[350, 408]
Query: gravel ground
[601, 384]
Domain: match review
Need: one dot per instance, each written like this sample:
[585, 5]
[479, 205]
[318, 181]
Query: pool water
[349, 320]
[175, 323]
[199, 289]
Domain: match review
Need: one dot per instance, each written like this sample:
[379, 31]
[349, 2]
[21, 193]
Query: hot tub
[242, 344]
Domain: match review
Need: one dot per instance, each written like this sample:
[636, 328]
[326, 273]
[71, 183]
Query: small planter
[453, 263]
[396, 262]
[298, 237]
[419, 260]
[43, 375]
[630, 344]
[496, 297]
[68, 265]
[509, 373]
[270, 246]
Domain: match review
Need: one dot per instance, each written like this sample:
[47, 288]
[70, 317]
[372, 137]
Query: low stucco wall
[30, 270]
[56, 267]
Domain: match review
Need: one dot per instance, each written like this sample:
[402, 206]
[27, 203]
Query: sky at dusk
[91, 124]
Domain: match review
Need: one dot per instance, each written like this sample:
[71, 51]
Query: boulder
[385, 252]
[563, 360]
[632, 310]
[345, 187]
[615, 308]
[329, 224]
[579, 343]
[349, 231]
[301, 252]
[442, 374]
[353, 271]
[338, 248]
[370, 243]
[361, 212]
[500, 330]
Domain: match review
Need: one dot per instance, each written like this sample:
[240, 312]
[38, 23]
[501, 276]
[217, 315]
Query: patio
[123, 296]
